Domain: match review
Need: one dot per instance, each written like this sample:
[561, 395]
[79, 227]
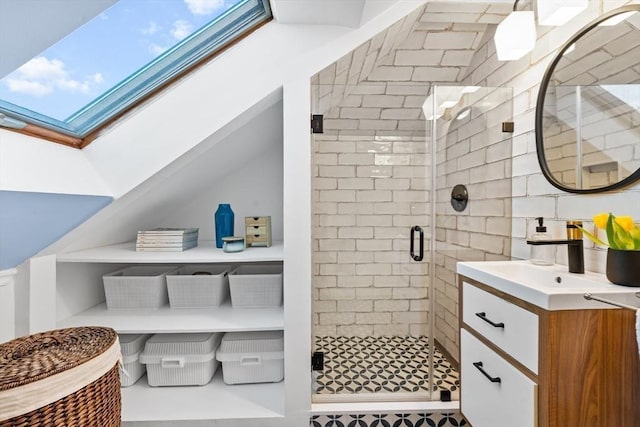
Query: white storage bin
[137, 287]
[131, 345]
[256, 286]
[252, 357]
[194, 286]
[180, 359]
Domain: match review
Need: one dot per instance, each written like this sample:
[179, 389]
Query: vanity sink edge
[549, 287]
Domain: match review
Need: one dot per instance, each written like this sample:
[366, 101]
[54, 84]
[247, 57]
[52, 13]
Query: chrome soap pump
[542, 254]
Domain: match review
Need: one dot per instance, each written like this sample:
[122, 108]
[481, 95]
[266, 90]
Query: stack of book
[167, 239]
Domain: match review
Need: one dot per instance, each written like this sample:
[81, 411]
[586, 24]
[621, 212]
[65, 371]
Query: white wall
[32, 164]
[7, 305]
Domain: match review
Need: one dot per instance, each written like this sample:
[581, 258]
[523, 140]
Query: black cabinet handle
[478, 366]
[420, 255]
[483, 316]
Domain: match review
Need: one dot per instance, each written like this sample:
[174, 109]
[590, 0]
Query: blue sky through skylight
[103, 52]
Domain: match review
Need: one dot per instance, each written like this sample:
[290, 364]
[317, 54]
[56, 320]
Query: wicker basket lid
[32, 358]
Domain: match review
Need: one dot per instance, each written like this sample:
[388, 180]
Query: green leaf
[635, 235]
[622, 238]
[610, 233]
[593, 237]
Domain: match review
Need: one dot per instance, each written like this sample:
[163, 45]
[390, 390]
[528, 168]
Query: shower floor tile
[381, 365]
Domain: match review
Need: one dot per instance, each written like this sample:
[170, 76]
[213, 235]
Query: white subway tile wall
[532, 195]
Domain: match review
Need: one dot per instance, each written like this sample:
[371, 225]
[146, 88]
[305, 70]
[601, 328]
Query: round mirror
[588, 109]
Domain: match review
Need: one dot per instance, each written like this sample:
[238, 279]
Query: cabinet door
[509, 327]
[493, 392]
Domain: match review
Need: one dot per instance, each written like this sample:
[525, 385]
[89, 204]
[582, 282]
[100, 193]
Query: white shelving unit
[205, 252]
[213, 401]
[167, 320]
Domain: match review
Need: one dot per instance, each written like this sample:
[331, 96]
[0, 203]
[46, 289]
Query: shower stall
[388, 230]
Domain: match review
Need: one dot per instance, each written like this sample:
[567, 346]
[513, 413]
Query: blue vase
[224, 223]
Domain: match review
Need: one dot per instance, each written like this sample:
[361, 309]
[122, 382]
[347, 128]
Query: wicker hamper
[67, 377]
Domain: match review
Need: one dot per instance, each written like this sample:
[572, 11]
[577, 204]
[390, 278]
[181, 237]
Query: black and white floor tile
[389, 420]
[381, 365]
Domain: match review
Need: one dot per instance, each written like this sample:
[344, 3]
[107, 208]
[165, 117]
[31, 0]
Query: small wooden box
[258, 231]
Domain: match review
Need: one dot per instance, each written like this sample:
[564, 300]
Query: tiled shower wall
[370, 189]
[474, 152]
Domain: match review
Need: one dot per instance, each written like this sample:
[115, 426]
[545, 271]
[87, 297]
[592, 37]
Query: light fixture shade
[559, 12]
[515, 36]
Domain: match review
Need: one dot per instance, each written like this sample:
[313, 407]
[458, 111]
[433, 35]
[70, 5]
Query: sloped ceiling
[38, 25]
[247, 137]
[319, 12]
[434, 44]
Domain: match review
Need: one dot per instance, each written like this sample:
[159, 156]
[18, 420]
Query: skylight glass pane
[120, 56]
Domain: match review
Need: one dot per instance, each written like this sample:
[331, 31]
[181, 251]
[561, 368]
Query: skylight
[119, 57]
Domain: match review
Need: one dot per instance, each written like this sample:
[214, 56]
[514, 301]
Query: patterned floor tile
[389, 420]
[381, 365]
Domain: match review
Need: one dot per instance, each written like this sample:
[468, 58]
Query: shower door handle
[411, 243]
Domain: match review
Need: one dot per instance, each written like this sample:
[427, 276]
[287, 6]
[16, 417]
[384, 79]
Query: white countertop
[548, 287]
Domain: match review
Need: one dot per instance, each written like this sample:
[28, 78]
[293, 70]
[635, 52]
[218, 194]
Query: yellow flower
[600, 220]
[626, 222]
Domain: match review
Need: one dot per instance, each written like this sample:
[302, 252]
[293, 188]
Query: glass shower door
[473, 189]
[372, 307]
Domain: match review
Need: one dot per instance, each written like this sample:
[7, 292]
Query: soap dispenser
[542, 254]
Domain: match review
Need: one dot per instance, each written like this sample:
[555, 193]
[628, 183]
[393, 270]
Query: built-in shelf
[170, 320]
[205, 252]
[215, 400]
[81, 285]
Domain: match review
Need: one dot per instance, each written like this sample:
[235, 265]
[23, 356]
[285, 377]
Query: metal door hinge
[317, 123]
[317, 361]
[507, 127]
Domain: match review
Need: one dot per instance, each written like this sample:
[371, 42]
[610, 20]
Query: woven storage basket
[67, 377]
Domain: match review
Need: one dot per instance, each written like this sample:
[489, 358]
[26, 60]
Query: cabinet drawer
[508, 403]
[514, 329]
[257, 230]
[257, 220]
[257, 240]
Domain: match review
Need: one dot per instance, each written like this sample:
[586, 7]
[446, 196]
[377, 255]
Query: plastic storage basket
[131, 346]
[180, 359]
[196, 286]
[252, 357]
[137, 287]
[256, 286]
[65, 377]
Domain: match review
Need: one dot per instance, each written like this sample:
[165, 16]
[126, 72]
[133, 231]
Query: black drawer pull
[478, 365]
[483, 316]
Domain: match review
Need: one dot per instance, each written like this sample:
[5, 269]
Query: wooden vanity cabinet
[565, 368]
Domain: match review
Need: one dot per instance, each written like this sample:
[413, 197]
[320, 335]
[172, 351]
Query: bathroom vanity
[535, 353]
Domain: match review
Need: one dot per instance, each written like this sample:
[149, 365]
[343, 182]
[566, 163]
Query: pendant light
[516, 35]
[559, 12]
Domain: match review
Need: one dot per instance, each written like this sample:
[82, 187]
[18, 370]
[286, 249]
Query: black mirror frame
[540, 107]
